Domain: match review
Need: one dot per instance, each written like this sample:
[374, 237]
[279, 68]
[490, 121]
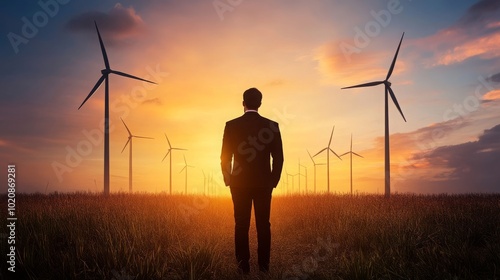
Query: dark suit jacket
[248, 144]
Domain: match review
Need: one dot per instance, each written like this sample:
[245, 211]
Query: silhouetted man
[248, 144]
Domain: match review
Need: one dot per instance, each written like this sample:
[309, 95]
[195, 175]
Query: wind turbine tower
[169, 152]
[328, 150]
[388, 92]
[105, 78]
[350, 153]
[186, 166]
[129, 141]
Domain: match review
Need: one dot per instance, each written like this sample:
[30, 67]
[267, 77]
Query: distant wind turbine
[186, 166]
[300, 174]
[350, 153]
[105, 78]
[314, 166]
[288, 175]
[170, 149]
[388, 91]
[130, 136]
[328, 150]
[204, 182]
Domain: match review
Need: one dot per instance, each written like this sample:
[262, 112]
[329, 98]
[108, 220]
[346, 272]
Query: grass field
[141, 236]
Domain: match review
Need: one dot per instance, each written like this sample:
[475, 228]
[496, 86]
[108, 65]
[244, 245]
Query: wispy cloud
[153, 101]
[492, 95]
[363, 67]
[118, 24]
[475, 35]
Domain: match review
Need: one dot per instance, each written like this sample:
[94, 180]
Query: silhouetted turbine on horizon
[314, 166]
[130, 136]
[105, 78]
[351, 153]
[170, 149]
[186, 166]
[328, 150]
[300, 174]
[388, 91]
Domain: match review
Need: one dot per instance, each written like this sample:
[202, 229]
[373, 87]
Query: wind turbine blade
[320, 152]
[346, 153]
[129, 133]
[179, 149]
[185, 162]
[130, 76]
[125, 145]
[371, 84]
[331, 136]
[142, 137]
[183, 168]
[334, 153]
[310, 156]
[103, 50]
[394, 60]
[358, 155]
[165, 156]
[396, 102]
[170, 146]
[97, 85]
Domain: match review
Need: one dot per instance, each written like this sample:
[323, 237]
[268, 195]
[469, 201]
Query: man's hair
[252, 98]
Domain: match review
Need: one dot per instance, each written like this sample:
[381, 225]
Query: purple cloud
[472, 166]
[118, 24]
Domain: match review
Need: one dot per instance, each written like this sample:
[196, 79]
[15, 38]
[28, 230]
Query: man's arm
[226, 157]
[277, 154]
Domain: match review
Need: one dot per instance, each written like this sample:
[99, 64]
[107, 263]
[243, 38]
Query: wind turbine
[300, 174]
[170, 149]
[314, 165]
[388, 91]
[204, 183]
[288, 175]
[351, 153]
[186, 166]
[105, 78]
[130, 136]
[328, 150]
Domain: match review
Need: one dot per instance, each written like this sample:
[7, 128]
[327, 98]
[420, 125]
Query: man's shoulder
[250, 117]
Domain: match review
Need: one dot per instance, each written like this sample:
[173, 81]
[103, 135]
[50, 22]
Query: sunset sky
[204, 54]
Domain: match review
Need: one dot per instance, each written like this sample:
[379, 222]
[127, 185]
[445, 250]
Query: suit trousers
[242, 202]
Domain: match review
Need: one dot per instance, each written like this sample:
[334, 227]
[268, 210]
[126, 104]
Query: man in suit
[248, 144]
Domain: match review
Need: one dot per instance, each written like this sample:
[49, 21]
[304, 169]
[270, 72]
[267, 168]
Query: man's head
[252, 99]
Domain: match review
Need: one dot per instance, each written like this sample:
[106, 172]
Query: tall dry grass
[143, 236]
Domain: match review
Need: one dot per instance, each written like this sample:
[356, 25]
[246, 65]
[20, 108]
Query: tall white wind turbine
[129, 141]
[105, 78]
[314, 167]
[350, 153]
[328, 150]
[170, 149]
[388, 91]
[186, 166]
